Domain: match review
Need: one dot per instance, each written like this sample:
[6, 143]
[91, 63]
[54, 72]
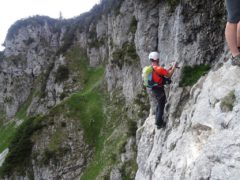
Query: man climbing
[158, 90]
[232, 31]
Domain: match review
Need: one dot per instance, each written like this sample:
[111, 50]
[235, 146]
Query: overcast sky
[13, 10]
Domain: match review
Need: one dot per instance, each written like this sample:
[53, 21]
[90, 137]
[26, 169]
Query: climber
[232, 31]
[158, 91]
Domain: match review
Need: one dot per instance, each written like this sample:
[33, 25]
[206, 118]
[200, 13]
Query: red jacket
[161, 71]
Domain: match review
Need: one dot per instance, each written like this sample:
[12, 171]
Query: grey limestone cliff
[79, 82]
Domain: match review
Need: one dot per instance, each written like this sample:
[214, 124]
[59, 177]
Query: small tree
[60, 15]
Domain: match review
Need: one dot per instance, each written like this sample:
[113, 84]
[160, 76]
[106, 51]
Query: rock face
[43, 68]
[203, 143]
[27, 57]
[32, 50]
[70, 156]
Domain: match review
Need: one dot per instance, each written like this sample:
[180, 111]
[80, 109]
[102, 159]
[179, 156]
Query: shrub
[118, 56]
[1, 56]
[53, 155]
[62, 74]
[44, 80]
[127, 54]
[133, 25]
[47, 156]
[34, 21]
[129, 169]
[190, 75]
[67, 40]
[20, 148]
[142, 101]
[16, 60]
[63, 95]
[227, 102]
[130, 51]
[28, 41]
[8, 99]
[104, 8]
[96, 43]
[132, 127]
[172, 4]
[6, 133]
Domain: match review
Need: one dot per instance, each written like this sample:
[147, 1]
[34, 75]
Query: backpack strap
[165, 80]
[159, 75]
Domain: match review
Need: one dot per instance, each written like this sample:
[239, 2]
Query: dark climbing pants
[160, 96]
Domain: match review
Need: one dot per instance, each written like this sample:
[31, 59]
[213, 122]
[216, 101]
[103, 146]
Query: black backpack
[166, 80]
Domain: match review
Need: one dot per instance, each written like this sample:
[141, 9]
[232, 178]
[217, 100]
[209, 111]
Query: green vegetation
[47, 156]
[56, 139]
[8, 99]
[55, 151]
[35, 21]
[87, 106]
[110, 143]
[133, 25]
[20, 148]
[82, 23]
[227, 103]
[22, 111]
[7, 131]
[62, 74]
[16, 60]
[172, 4]
[77, 63]
[190, 75]
[28, 41]
[1, 56]
[105, 7]
[96, 43]
[142, 101]
[127, 54]
[6, 134]
[128, 169]
[132, 127]
[67, 39]
[91, 109]
[43, 80]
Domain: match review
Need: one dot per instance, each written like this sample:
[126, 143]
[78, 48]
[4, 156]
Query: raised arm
[171, 70]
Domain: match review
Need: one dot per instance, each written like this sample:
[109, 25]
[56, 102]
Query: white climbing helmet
[154, 56]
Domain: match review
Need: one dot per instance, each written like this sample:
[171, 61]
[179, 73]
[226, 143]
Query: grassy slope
[6, 133]
[105, 127]
[85, 106]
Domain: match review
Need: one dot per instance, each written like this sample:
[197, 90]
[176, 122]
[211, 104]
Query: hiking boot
[236, 60]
